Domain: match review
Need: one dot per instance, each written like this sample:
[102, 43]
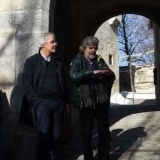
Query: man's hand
[100, 72]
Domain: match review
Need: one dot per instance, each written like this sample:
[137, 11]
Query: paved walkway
[135, 132]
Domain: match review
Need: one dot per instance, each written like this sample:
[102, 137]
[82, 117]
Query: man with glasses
[45, 88]
[92, 81]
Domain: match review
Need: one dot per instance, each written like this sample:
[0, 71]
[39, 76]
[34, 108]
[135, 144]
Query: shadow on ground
[118, 147]
[72, 150]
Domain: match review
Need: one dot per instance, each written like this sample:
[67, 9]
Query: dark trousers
[49, 115]
[86, 118]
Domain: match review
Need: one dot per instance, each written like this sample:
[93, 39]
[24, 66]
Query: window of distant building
[110, 59]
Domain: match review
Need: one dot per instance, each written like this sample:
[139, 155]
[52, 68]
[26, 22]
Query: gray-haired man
[45, 89]
[92, 82]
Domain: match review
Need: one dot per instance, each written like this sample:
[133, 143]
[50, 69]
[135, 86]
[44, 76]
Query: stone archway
[23, 20]
[91, 14]
[21, 23]
[88, 15]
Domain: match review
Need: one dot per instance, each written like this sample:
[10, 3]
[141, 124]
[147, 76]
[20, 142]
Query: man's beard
[91, 56]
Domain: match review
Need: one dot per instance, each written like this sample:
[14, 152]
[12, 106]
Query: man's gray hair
[44, 37]
[88, 41]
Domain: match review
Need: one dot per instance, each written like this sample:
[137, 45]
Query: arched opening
[129, 126]
[87, 17]
[73, 20]
[135, 51]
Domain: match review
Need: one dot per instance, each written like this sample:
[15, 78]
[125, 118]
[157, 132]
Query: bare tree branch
[134, 38]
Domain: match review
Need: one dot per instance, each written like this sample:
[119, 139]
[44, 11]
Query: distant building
[143, 78]
[108, 46]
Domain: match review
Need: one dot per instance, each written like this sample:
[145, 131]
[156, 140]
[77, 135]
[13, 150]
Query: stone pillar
[21, 22]
[157, 61]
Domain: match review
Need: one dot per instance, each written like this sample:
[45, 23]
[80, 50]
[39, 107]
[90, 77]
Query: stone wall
[108, 46]
[22, 22]
[156, 29]
[144, 79]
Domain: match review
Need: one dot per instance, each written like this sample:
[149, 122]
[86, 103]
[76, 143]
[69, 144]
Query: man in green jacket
[92, 82]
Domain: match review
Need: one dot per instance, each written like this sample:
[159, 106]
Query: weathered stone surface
[144, 74]
[135, 135]
[45, 20]
[19, 37]
[8, 5]
[143, 79]
[7, 75]
[24, 21]
[26, 45]
[108, 46]
[7, 21]
[29, 4]
[30, 21]
[44, 4]
[7, 59]
[28, 27]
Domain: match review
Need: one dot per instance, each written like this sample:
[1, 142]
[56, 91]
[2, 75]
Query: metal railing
[132, 98]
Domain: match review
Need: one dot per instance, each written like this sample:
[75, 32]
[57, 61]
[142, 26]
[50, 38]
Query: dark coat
[33, 70]
[78, 75]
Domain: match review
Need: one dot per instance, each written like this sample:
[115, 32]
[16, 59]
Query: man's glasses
[54, 42]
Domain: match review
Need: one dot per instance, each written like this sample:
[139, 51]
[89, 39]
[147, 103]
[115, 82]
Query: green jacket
[78, 76]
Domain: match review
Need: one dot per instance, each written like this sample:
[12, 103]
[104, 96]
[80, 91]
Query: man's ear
[42, 46]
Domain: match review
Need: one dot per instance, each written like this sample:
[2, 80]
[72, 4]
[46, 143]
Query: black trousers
[87, 118]
[50, 116]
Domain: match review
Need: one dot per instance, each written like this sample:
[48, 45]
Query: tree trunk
[131, 74]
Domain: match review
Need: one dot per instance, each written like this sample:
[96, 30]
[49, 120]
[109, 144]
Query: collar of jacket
[53, 56]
